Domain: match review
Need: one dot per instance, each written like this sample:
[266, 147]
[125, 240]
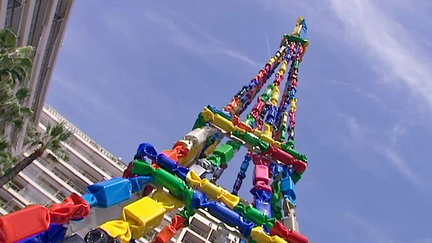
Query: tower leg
[290, 216]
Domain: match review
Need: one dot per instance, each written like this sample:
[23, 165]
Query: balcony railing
[21, 191]
[34, 175]
[68, 181]
[61, 176]
[85, 137]
[88, 158]
[5, 206]
[87, 175]
[13, 186]
[82, 172]
[60, 197]
[24, 192]
[76, 167]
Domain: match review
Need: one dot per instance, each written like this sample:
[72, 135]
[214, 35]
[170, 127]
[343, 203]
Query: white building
[41, 24]
[44, 182]
[203, 228]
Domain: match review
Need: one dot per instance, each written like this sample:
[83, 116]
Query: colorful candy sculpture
[168, 180]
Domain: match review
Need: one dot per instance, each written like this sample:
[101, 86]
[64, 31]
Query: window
[9, 13]
[48, 51]
[33, 22]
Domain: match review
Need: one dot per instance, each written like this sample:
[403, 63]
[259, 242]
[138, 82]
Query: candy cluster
[175, 179]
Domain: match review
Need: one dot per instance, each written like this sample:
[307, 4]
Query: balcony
[88, 156]
[36, 177]
[78, 133]
[76, 158]
[6, 207]
[20, 192]
[68, 181]
[72, 168]
[44, 169]
[14, 187]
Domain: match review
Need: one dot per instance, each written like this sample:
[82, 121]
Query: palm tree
[6, 159]
[15, 66]
[50, 139]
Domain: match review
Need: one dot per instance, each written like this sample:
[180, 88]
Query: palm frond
[62, 154]
[57, 130]
[51, 158]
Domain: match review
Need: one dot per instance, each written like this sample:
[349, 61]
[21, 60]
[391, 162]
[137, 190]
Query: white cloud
[387, 43]
[397, 131]
[375, 232]
[363, 137]
[356, 130]
[199, 47]
[400, 164]
[368, 95]
[92, 104]
[196, 27]
[268, 45]
[241, 57]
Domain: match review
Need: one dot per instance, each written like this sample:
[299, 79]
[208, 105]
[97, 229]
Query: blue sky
[141, 72]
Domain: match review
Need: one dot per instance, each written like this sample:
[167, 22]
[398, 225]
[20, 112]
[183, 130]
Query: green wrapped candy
[175, 185]
[142, 168]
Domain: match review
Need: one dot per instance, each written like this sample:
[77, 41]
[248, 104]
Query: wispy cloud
[241, 57]
[387, 43]
[195, 26]
[378, 232]
[356, 130]
[400, 164]
[371, 229]
[268, 45]
[397, 131]
[368, 95]
[362, 137]
[91, 104]
[197, 45]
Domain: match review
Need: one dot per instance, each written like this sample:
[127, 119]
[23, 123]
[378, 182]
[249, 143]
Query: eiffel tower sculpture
[176, 179]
